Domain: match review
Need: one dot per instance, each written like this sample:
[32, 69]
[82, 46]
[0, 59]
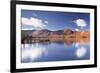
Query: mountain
[59, 32]
[41, 33]
[47, 35]
[27, 32]
[45, 32]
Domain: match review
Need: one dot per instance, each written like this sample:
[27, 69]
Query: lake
[55, 51]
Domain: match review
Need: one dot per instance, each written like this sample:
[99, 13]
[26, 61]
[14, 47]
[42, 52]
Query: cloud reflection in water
[32, 52]
[80, 52]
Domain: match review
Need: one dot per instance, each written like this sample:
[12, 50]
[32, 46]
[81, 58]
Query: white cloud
[36, 23]
[80, 22]
[27, 28]
[46, 22]
[76, 29]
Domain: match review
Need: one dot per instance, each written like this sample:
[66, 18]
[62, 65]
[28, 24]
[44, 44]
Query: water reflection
[31, 52]
[56, 50]
[80, 52]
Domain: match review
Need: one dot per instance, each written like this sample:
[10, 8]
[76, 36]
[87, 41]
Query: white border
[20, 65]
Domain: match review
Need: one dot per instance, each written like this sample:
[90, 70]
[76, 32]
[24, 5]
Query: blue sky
[52, 20]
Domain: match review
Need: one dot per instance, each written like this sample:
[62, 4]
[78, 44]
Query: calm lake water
[55, 51]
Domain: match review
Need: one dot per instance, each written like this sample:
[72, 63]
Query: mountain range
[45, 32]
